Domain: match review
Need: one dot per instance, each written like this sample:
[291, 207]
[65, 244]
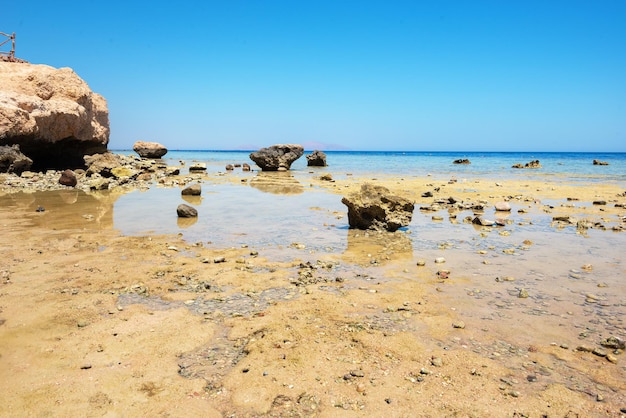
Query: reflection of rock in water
[64, 209]
[186, 222]
[276, 182]
[377, 247]
[192, 200]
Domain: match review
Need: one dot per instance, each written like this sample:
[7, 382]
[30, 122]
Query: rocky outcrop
[461, 161]
[277, 157]
[598, 162]
[375, 207]
[52, 114]
[316, 159]
[13, 161]
[531, 164]
[149, 149]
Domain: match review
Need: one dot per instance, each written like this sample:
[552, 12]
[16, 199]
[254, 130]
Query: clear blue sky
[390, 75]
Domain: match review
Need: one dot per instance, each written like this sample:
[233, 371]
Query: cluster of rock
[461, 161]
[531, 164]
[102, 172]
[598, 162]
[52, 115]
[375, 207]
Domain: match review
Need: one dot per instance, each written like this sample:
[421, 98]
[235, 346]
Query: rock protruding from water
[12, 160]
[598, 162]
[531, 164]
[277, 157]
[186, 211]
[52, 114]
[461, 161]
[375, 207]
[193, 190]
[149, 149]
[316, 159]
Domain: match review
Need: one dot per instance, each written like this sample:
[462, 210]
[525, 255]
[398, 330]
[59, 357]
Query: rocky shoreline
[97, 323]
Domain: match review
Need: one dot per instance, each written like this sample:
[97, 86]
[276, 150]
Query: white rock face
[52, 114]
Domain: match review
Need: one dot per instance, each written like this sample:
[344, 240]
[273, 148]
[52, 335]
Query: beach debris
[316, 159]
[186, 211]
[193, 190]
[12, 160]
[68, 178]
[149, 149]
[598, 162]
[278, 157]
[375, 207]
[461, 161]
[531, 164]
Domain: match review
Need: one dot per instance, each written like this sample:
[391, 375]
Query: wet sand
[96, 322]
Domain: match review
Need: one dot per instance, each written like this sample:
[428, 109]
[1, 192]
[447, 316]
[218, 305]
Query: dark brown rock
[277, 157]
[316, 159]
[193, 190]
[375, 207]
[186, 211]
[461, 161]
[68, 178]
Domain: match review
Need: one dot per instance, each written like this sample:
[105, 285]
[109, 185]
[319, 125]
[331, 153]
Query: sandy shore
[93, 323]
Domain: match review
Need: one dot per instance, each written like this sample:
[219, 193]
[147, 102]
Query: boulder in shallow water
[277, 157]
[186, 211]
[375, 207]
[316, 159]
[149, 149]
[193, 190]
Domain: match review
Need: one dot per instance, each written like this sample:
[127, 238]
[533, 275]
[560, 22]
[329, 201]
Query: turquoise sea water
[572, 166]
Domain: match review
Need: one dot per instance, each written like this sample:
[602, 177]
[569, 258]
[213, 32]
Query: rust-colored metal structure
[10, 38]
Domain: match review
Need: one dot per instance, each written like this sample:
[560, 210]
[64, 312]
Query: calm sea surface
[567, 165]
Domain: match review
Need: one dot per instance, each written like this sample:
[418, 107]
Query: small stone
[459, 325]
[523, 294]
[85, 366]
[217, 260]
[186, 211]
[388, 400]
[440, 260]
[360, 388]
[421, 263]
[436, 361]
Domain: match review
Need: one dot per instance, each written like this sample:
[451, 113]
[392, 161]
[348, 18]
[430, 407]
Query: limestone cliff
[52, 114]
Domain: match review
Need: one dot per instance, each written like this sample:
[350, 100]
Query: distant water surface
[569, 166]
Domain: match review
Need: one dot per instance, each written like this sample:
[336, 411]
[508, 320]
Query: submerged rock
[374, 207]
